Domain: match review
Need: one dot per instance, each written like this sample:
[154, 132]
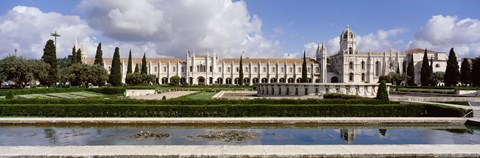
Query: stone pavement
[245, 151]
[168, 95]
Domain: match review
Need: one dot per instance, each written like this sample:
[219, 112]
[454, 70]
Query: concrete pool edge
[240, 120]
[439, 150]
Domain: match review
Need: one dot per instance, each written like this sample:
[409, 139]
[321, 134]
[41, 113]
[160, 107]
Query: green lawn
[199, 96]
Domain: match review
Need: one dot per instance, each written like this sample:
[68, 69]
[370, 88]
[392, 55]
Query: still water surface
[236, 135]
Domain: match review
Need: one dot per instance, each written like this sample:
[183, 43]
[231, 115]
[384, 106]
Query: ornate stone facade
[348, 65]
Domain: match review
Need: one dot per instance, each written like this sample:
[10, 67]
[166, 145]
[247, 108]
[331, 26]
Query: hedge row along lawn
[189, 101]
[236, 110]
[103, 90]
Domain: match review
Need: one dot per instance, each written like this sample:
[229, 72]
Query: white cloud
[27, 29]
[443, 32]
[172, 27]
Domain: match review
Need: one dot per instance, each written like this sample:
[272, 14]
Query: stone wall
[138, 92]
[302, 89]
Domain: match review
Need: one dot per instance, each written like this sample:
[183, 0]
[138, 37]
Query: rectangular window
[164, 69]
[174, 69]
[264, 69]
[211, 68]
[246, 69]
[273, 69]
[255, 69]
[156, 69]
[236, 69]
[191, 68]
[282, 69]
[291, 69]
[183, 69]
[219, 69]
[228, 69]
[299, 69]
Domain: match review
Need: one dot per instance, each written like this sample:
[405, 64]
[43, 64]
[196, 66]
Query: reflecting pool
[236, 135]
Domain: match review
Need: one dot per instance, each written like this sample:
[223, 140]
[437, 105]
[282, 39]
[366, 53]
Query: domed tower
[348, 42]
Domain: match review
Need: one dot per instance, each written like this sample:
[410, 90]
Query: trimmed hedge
[103, 90]
[330, 110]
[195, 101]
[342, 96]
[5, 92]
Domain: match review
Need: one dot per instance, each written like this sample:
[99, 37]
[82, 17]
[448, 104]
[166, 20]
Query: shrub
[164, 98]
[382, 93]
[196, 101]
[341, 96]
[235, 110]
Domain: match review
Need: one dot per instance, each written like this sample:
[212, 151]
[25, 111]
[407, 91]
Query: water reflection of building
[348, 135]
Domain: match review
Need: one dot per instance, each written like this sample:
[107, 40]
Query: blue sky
[280, 27]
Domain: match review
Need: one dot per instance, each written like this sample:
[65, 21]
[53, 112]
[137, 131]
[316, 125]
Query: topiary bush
[382, 93]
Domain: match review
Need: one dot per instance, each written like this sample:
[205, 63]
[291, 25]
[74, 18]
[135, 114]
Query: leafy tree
[129, 67]
[115, 74]
[476, 72]
[382, 92]
[139, 79]
[411, 72]
[50, 57]
[174, 80]
[465, 72]
[74, 56]
[452, 74]
[304, 69]
[22, 71]
[401, 78]
[98, 56]
[240, 80]
[144, 64]
[137, 70]
[425, 72]
[82, 74]
[437, 77]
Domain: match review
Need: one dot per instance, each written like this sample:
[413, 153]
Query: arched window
[350, 65]
[317, 70]
[363, 65]
[377, 68]
[350, 51]
[350, 76]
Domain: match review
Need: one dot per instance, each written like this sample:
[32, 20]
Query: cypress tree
[137, 69]
[382, 92]
[465, 72]
[425, 71]
[50, 57]
[98, 56]
[475, 76]
[115, 73]
[79, 56]
[74, 56]
[144, 64]
[304, 69]
[411, 72]
[129, 67]
[240, 80]
[452, 74]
